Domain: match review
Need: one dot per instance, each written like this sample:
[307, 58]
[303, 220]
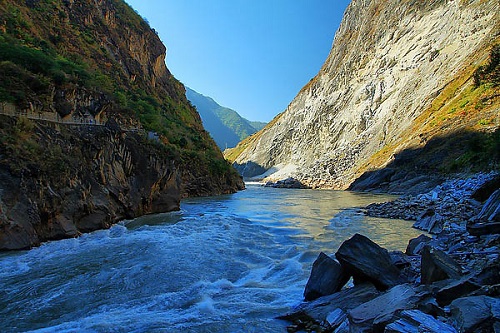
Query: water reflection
[221, 264]
[321, 216]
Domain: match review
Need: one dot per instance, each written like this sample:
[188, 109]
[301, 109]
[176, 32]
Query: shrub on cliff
[489, 73]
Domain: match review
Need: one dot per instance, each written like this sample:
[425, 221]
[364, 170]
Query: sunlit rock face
[389, 63]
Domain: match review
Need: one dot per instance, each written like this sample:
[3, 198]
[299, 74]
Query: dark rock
[366, 261]
[481, 229]
[475, 313]
[399, 259]
[430, 221]
[489, 275]
[437, 265]
[430, 306]
[456, 289]
[413, 321]
[327, 277]
[372, 180]
[491, 208]
[416, 245]
[113, 125]
[287, 183]
[319, 309]
[374, 315]
[486, 190]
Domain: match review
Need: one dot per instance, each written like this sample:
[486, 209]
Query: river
[222, 264]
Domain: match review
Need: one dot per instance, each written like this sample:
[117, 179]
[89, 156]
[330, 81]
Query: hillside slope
[397, 92]
[225, 125]
[94, 128]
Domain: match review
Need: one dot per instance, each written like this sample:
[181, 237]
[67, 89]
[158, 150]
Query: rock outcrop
[87, 178]
[93, 128]
[448, 283]
[396, 92]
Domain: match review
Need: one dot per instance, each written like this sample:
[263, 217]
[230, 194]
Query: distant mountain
[225, 125]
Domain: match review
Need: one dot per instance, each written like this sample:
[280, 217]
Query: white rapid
[221, 264]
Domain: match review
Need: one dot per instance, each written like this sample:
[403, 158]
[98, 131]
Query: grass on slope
[469, 104]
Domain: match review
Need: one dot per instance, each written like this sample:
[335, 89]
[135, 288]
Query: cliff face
[84, 179]
[94, 128]
[396, 78]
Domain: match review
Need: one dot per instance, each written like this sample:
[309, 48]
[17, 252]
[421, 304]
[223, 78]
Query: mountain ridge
[94, 128]
[225, 125]
[390, 64]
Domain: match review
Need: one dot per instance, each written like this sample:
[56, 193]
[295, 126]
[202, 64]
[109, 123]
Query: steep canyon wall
[394, 69]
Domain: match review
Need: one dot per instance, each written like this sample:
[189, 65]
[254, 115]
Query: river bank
[448, 280]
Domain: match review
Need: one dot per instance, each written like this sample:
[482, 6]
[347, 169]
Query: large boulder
[374, 315]
[491, 208]
[437, 265]
[367, 261]
[412, 321]
[487, 222]
[476, 313]
[456, 289]
[330, 308]
[416, 245]
[327, 277]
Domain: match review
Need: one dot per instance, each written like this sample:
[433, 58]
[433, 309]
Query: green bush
[489, 73]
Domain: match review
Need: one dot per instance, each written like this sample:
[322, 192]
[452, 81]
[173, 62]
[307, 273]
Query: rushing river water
[221, 264]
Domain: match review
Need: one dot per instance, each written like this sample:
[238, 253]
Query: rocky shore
[448, 280]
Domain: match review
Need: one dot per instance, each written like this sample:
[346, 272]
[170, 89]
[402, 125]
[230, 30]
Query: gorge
[94, 128]
[126, 217]
[396, 100]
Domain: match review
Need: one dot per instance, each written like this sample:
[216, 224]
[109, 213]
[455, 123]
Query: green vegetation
[24, 153]
[481, 151]
[78, 49]
[489, 73]
[28, 73]
[459, 131]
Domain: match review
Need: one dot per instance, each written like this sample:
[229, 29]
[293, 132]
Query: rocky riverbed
[448, 280]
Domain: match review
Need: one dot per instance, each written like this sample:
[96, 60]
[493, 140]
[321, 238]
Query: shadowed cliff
[421, 169]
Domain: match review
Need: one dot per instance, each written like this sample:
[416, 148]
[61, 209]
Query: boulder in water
[327, 277]
[367, 261]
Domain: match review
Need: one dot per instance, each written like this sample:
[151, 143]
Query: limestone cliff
[400, 75]
[93, 126]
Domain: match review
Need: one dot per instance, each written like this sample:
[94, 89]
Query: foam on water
[225, 264]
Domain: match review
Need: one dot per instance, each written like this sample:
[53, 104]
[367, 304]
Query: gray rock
[327, 277]
[491, 208]
[430, 221]
[377, 313]
[367, 261]
[481, 229]
[437, 265]
[336, 318]
[416, 245]
[456, 289]
[475, 313]
[415, 321]
[319, 309]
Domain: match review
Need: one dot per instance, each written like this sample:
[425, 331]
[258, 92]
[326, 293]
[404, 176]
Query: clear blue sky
[252, 56]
